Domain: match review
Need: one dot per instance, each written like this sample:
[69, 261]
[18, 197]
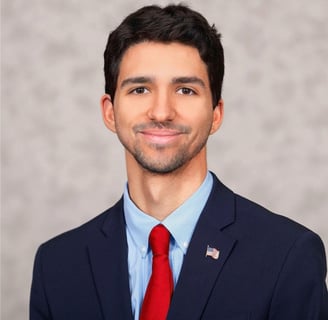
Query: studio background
[61, 166]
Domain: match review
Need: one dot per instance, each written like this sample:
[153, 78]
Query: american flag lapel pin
[212, 252]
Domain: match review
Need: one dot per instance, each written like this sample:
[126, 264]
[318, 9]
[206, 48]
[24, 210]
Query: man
[211, 253]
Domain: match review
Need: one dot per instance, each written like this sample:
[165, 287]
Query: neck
[160, 194]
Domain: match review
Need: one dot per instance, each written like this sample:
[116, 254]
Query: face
[162, 112]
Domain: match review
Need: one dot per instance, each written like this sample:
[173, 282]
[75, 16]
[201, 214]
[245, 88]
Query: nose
[162, 107]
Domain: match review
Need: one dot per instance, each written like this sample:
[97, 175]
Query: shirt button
[185, 244]
[143, 249]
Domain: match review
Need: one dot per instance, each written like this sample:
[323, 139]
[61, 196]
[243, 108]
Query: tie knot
[159, 240]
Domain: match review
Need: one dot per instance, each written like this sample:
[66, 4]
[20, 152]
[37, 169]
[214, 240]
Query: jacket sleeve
[39, 308]
[301, 291]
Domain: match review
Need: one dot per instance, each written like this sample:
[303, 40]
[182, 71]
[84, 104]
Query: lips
[160, 136]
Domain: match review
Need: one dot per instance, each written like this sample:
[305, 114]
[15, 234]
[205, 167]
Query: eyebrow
[136, 80]
[177, 80]
[186, 80]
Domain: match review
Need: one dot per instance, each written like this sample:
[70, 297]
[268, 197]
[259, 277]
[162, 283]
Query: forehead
[162, 61]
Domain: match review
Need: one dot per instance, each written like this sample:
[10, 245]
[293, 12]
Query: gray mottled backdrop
[61, 166]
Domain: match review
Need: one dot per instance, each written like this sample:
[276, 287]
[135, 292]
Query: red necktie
[157, 298]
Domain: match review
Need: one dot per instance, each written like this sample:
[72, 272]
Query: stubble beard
[167, 165]
[164, 162]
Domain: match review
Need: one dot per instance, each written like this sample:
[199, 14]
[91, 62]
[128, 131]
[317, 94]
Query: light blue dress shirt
[181, 224]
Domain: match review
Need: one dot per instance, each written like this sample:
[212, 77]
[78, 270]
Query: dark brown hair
[173, 23]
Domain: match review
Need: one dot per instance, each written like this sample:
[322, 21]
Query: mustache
[162, 125]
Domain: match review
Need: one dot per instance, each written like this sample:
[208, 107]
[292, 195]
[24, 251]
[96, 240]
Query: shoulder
[256, 225]
[258, 219]
[276, 231]
[279, 256]
[77, 238]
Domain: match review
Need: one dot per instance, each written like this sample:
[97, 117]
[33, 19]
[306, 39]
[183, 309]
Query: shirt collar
[181, 222]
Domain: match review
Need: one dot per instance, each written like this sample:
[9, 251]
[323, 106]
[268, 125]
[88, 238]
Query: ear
[218, 112]
[107, 110]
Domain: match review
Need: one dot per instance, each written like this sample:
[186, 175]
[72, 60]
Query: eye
[186, 91]
[139, 90]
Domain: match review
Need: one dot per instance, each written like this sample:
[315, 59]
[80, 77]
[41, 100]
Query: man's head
[174, 23]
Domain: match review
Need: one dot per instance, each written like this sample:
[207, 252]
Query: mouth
[160, 136]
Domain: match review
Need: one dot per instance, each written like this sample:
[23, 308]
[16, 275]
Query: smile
[160, 136]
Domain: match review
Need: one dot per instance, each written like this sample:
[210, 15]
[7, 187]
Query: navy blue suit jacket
[269, 267]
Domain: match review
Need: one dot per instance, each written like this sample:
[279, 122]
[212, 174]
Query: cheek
[202, 121]
[121, 125]
[124, 123]
[129, 110]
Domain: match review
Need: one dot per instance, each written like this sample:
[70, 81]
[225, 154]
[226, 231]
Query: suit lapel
[199, 273]
[108, 255]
